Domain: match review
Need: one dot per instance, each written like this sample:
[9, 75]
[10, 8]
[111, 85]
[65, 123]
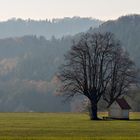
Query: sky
[42, 9]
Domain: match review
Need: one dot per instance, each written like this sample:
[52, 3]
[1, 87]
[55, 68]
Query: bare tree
[123, 76]
[96, 66]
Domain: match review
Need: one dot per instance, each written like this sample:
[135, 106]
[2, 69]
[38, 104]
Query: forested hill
[46, 28]
[27, 73]
[28, 66]
[127, 30]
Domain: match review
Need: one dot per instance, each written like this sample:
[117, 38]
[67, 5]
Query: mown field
[66, 126]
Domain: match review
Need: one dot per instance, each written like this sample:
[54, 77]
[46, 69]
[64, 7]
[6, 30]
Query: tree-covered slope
[28, 66]
[127, 30]
[47, 28]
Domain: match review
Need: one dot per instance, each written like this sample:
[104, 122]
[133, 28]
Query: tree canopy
[96, 67]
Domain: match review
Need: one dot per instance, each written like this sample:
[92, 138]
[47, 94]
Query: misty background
[31, 51]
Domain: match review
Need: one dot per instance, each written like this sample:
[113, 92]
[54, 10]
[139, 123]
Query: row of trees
[98, 68]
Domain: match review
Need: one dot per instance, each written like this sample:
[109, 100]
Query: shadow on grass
[134, 120]
[114, 119]
[129, 120]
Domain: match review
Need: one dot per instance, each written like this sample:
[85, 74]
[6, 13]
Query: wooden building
[119, 109]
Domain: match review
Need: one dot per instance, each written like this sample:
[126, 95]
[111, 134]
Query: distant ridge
[47, 28]
[127, 30]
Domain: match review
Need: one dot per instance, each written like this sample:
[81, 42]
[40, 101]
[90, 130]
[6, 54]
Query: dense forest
[47, 28]
[29, 64]
[127, 30]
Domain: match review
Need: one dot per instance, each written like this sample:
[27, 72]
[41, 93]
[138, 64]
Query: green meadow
[66, 126]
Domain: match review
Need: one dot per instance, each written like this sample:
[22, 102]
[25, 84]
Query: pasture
[66, 126]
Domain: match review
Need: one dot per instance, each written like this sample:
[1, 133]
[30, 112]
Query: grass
[66, 126]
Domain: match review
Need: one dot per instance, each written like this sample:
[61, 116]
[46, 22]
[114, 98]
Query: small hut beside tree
[119, 109]
[97, 67]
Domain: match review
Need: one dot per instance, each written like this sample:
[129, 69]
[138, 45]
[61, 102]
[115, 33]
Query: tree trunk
[93, 111]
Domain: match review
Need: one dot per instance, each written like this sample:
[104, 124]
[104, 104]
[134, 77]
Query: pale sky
[42, 9]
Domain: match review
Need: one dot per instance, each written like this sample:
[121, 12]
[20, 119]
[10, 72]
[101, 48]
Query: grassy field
[66, 126]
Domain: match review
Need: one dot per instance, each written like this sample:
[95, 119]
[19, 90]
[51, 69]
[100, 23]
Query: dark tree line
[97, 67]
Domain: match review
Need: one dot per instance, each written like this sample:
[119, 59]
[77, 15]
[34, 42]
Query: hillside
[127, 30]
[28, 66]
[27, 74]
[46, 28]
